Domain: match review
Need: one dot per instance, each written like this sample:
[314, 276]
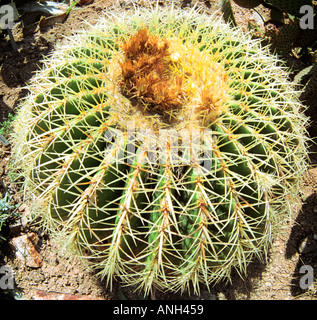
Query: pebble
[26, 251]
[257, 18]
[302, 245]
[221, 296]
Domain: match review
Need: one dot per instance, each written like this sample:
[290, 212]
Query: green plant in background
[6, 212]
[163, 147]
[5, 128]
[283, 31]
[291, 7]
[308, 78]
[286, 37]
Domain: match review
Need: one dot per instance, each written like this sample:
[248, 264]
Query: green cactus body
[163, 147]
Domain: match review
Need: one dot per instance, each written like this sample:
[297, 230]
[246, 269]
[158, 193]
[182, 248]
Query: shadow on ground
[303, 240]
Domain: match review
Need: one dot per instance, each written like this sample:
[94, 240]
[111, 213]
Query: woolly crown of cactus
[162, 147]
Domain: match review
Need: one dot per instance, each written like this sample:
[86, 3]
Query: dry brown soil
[63, 277]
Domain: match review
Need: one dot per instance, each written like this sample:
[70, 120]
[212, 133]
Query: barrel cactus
[162, 147]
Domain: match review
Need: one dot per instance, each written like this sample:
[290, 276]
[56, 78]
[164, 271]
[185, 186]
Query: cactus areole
[162, 147]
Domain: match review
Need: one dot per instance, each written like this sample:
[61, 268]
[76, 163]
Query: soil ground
[61, 275]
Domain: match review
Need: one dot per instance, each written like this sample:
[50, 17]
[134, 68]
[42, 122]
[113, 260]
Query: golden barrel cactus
[163, 147]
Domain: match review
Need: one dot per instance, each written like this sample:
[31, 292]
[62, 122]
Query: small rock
[25, 212]
[294, 258]
[257, 19]
[302, 245]
[25, 250]
[309, 247]
[221, 296]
